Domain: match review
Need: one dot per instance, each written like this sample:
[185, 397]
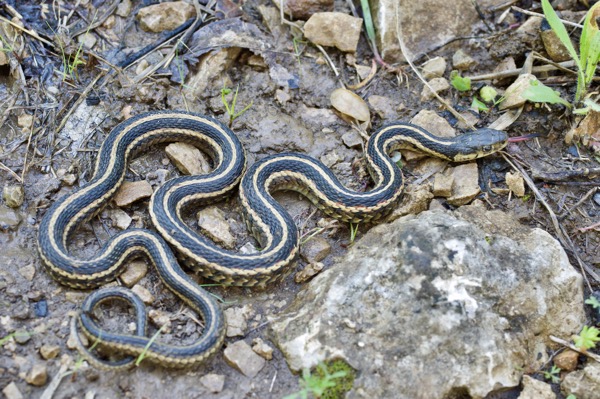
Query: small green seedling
[488, 96]
[459, 83]
[7, 338]
[318, 383]
[150, 342]
[593, 301]
[589, 45]
[571, 396]
[538, 92]
[353, 231]
[587, 338]
[231, 107]
[553, 375]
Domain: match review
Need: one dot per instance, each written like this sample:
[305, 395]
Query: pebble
[334, 29]
[160, 319]
[165, 16]
[554, 47]
[241, 357]
[439, 85]
[13, 195]
[515, 183]
[262, 349]
[68, 178]
[443, 182]
[120, 219]
[466, 184]
[88, 40]
[434, 68]
[566, 360]
[330, 158]
[352, 139]
[212, 222]
[124, 8]
[282, 96]
[144, 294]
[72, 341]
[596, 198]
[462, 61]
[237, 322]
[49, 351]
[213, 382]
[304, 9]
[25, 121]
[535, 389]
[41, 308]
[315, 250]
[583, 383]
[512, 95]
[9, 219]
[434, 123]
[28, 272]
[187, 158]
[21, 337]
[11, 391]
[38, 375]
[134, 272]
[131, 192]
[309, 271]
[383, 106]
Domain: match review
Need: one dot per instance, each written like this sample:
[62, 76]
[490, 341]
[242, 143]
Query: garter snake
[267, 220]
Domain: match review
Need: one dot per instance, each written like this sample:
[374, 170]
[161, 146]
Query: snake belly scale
[267, 220]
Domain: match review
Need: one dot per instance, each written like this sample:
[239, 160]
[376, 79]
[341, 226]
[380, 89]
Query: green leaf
[593, 301]
[589, 43]
[538, 92]
[559, 28]
[459, 83]
[587, 338]
[488, 94]
[477, 105]
[364, 4]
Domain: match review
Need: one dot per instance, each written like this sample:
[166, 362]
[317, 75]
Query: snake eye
[487, 148]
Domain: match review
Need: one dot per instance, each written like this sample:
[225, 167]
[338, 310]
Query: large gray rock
[425, 24]
[437, 305]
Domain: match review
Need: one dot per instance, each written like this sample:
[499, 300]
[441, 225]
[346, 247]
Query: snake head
[479, 143]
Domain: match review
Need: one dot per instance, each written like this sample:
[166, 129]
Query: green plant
[150, 342]
[589, 45]
[353, 231]
[553, 375]
[328, 381]
[458, 82]
[540, 93]
[571, 396]
[231, 107]
[587, 338]
[593, 301]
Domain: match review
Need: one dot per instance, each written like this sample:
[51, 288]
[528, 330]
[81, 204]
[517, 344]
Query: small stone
[144, 294]
[470, 118]
[124, 8]
[25, 121]
[434, 68]
[131, 192]
[187, 158]
[213, 382]
[241, 357]
[466, 184]
[462, 61]
[535, 389]
[13, 195]
[212, 222]
[4, 60]
[49, 351]
[120, 218]
[262, 349]
[9, 219]
[38, 375]
[21, 337]
[512, 95]
[439, 85]
[383, 106]
[309, 271]
[141, 67]
[110, 22]
[432, 122]
[165, 16]
[11, 391]
[315, 250]
[443, 182]
[334, 29]
[507, 64]
[304, 9]
[160, 319]
[566, 360]
[28, 272]
[554, 47]
[237, 323]
[72, 341]
[88, 40]
[583, 383]
[330, 158]
[68, 178]
[352, 139]
[515, 183]
[134, 272]
[248, 248]
[282, 96]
